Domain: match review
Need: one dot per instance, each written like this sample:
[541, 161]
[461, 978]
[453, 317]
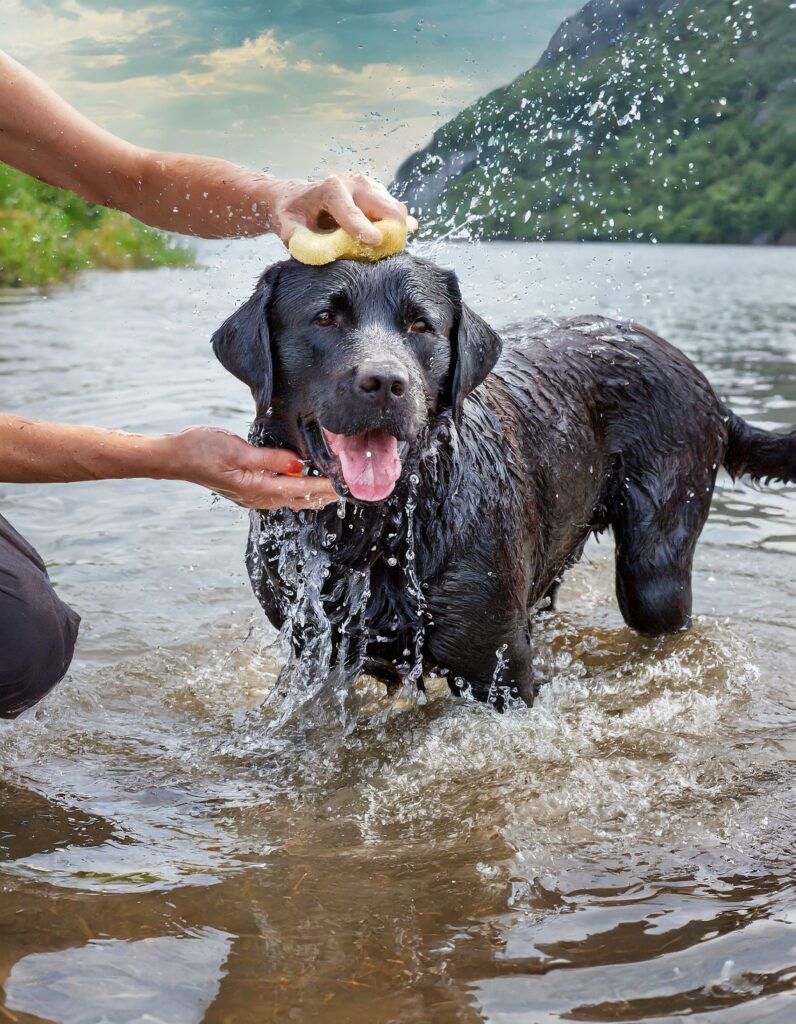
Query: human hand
[350, 201]
[263, 478]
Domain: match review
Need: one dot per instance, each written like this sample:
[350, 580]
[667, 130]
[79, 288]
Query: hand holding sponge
[317, 248]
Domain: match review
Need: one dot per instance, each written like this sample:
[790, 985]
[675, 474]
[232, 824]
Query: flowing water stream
[622, 852]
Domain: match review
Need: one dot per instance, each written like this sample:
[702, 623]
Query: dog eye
[420, 326]
[326, 318]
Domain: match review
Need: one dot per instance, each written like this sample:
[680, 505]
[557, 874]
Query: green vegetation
[47, 235]
[683, 131]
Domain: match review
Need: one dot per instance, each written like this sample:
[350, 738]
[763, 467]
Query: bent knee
[37, 640]
[655, 605]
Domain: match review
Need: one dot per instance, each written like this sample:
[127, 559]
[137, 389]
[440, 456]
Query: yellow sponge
[317, 248]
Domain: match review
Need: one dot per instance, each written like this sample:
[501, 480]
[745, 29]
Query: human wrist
[166, 457]
[191, 454]
[118, 455]
[270, 188]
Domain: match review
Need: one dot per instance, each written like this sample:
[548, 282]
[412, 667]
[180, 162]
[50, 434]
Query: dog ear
[475, 348]
[242, 344]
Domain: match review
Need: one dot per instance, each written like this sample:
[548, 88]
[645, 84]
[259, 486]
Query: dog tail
[760, 454]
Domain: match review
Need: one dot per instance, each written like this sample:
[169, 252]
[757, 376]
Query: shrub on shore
[48, 235]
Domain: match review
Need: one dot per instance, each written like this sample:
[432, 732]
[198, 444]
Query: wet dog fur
[512, 454]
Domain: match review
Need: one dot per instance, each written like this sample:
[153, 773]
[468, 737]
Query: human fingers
[284, 492]
[375, 201]
[288, 223]
[338, 202]
[274, 460]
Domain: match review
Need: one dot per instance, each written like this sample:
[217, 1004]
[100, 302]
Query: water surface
[622, 852]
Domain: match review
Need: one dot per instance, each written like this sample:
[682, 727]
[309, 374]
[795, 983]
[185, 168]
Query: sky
[298, 87]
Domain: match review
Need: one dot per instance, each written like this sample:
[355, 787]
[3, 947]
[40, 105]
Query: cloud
[36, 34]
[299, 87]
[235, 67]
[248, 67]
[104, 60]
[256, 65]
[396, 83]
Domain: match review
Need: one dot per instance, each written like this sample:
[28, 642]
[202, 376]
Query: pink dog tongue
[369, 462]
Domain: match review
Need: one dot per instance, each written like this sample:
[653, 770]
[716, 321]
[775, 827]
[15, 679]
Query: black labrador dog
[471, 472]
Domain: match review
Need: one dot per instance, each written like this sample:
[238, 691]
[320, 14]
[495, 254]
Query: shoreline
[48, 236]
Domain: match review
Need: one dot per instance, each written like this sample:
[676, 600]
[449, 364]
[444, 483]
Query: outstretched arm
[36, 452]
[43, 135]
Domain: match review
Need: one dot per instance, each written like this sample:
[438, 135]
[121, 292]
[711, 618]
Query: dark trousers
[37, 630]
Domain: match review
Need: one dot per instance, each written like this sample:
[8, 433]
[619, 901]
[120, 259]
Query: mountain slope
[642, 120]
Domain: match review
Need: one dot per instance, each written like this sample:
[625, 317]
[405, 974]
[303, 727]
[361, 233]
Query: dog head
[349, 362]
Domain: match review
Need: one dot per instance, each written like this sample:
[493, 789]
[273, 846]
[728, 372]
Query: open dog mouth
[368, 464]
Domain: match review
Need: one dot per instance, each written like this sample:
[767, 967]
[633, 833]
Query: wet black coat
[581, 425]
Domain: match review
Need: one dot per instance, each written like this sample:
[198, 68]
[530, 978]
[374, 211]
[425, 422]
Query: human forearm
[35, 452]
[211, 198]
[197, 195]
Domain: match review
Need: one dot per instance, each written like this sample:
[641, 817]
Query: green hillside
[680, 129]
[47, 235]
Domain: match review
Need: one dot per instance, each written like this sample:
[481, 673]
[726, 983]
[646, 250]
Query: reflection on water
[622, 852]
[160, 981]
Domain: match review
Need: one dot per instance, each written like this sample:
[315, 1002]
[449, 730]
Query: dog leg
[551, 596]
[656, 521]
[507, 676]
[386, 672]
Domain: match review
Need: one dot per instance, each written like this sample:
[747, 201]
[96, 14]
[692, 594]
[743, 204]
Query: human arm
[41, 134]
[32, 451]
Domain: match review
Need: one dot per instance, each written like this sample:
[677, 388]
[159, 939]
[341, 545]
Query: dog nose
[381, 383]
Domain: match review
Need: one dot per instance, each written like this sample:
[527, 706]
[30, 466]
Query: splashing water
[323, 607]
[413, 671]
[314, 689]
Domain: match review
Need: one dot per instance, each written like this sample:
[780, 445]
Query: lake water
[622, 852]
